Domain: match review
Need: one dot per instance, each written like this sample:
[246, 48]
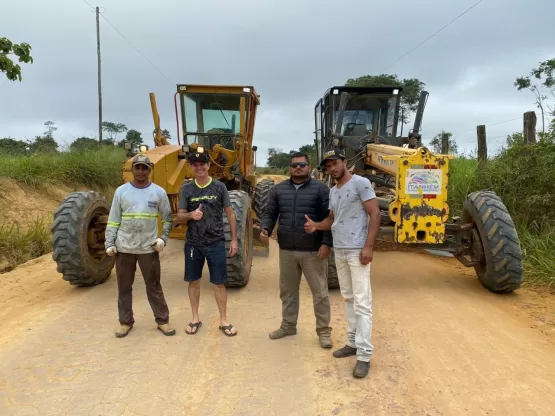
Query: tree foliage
[22, 51]
[166, 134]
[277, 158]
[435, 143]
[84, 144]
[545, 76]
[45, 144]
[113, 129]
[133, 137]
[412, 87]
[50, 128]
[13, 147]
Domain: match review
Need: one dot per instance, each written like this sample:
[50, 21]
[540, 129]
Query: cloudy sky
[290, 51]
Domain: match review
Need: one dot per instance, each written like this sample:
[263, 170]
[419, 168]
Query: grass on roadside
[101, 168]
[18, 245]
[523, 178]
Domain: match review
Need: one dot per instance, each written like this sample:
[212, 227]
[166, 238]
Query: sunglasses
[301, 164]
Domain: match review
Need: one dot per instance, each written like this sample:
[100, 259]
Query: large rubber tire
[500, 269]
[79, 264]
[261, 194]
[239, 266]
[333, 280]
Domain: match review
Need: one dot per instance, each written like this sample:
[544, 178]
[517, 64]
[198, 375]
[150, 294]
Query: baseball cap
[141, 160]
[198, 157]
[333, 154]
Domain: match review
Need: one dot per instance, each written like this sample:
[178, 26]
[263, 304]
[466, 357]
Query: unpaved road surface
[443, 346]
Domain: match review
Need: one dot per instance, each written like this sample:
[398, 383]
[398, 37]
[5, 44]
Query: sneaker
[123, 330]
[325, 341]
[280, 333]
[361, 369]
[346, 351]
[166, 329]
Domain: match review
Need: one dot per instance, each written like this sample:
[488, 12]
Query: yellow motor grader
[411, 184]
[218, 120]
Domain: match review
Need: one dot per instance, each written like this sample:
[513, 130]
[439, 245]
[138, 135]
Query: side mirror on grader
[411, 184]
[208, 118]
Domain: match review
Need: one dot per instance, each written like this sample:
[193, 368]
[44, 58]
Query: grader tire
[239, 266]
[80, 263]
[500, 269]
[333, 281]
[261, 194]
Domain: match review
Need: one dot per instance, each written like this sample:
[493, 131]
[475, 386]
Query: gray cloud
[290, 51]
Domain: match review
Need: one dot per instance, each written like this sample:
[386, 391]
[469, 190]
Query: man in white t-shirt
[352, 202]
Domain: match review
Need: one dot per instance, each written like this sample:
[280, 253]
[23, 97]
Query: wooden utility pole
[99, 75]
[530, 127]
[445, 144]
[482, 145]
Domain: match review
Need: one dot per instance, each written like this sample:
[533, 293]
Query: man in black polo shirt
[202, 203]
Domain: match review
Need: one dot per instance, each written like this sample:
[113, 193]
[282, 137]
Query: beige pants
[292, 264]
[356, 289]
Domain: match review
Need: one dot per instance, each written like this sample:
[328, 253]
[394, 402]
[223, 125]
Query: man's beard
[340, 175]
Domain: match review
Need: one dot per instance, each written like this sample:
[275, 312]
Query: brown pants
[126, 265]
[292, 264]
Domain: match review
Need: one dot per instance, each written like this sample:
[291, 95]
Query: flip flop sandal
[227, 328]
[192, 325]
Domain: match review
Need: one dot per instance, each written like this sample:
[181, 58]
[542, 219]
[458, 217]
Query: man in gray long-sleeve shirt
[132, 236]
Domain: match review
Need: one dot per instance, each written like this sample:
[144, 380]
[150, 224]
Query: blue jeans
[215, 256]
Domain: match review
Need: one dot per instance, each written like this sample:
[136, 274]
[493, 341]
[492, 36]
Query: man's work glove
[158, 245]
[111, 251]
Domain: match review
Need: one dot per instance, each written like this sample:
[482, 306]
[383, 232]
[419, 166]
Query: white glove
[158, 245]
[111, 251]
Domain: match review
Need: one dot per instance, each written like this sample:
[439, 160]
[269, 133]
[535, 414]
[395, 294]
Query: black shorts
[215, 256]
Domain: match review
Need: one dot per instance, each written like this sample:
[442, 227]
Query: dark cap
[141, 160]
[198, 157]
[333, 154]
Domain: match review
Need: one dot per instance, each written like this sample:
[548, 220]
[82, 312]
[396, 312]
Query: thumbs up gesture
[309, 226]
[197, 213]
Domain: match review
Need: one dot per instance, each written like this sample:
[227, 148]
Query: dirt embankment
[21, 205]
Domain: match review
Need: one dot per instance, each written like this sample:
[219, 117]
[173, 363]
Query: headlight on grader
[127, 145]
[200, 149]
[143, 148]
[185, 148]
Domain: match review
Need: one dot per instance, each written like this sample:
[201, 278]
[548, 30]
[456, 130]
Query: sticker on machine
[423, 181]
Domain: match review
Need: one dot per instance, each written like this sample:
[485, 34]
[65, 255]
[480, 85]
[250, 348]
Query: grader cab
[217, 120]
[411, 185]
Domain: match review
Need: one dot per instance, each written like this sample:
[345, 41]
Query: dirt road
[443, 346]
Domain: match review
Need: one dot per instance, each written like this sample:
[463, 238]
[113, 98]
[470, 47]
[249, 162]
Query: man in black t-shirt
[202, 203]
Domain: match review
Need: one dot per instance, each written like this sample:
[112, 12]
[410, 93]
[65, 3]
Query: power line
[88, 5]
[489, 125]
[128, 41]
[138, 51]
[429, 37]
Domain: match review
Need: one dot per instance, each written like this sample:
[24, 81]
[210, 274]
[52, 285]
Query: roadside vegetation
[95, 168]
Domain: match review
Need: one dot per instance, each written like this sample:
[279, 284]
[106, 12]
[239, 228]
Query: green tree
[278, 159]
[43, 145]
[166, 134]
[545, 74]
[435, 143]
[14, 147]
[310, 150]
[83, 144]
[133, 137]
[113, 129]
[7, 65]
[412, 87]
[50, 128]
